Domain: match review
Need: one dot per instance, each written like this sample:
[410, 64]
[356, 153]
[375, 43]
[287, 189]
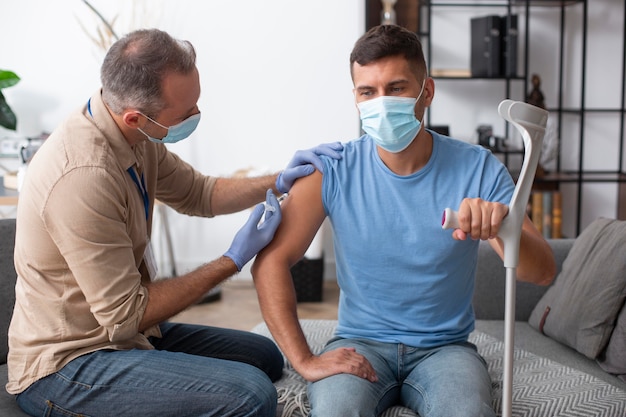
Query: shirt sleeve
[179, 185]
[497, 181]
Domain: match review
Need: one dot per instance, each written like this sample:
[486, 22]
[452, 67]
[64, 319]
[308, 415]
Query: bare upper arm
[303, 214]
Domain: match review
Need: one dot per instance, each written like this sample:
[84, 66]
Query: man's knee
[271, 360]
[254, 396]
[343, 395]
[266, 400]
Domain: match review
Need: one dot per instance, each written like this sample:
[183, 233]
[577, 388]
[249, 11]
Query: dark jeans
[194, 371]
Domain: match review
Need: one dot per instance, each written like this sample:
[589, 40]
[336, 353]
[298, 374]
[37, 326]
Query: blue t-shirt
[403, 278]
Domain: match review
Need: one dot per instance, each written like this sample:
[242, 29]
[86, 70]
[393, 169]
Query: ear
[133, 119]
[429, 91]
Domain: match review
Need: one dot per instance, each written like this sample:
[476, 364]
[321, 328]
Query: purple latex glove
[305, 162]
[253, 237]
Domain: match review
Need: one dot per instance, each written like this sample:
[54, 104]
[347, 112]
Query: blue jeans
[447, 381]
[194, 371]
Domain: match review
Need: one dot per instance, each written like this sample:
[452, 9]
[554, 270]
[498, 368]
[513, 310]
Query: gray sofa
[536, 354]
[8, 406]
[550, 378]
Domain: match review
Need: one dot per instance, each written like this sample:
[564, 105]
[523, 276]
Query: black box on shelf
[308, 279]
[508, 33]
[485, 46]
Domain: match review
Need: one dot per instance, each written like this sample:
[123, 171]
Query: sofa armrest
[490, 282]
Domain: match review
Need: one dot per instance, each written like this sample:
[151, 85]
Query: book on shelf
[557, 215]
[546, 213]
[537, 210]
[451, 72]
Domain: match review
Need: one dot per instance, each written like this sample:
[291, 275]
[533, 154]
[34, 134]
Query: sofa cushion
[581, 307]
[489, 292]
[8, 405]
[613, 359]
[7, 282]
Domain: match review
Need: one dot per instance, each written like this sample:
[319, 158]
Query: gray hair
[134, 68]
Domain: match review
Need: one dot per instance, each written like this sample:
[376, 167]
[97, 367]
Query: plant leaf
[7, 117]
[8, 79]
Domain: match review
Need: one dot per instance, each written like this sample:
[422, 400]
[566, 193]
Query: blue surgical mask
[390, 121]
[177, 132]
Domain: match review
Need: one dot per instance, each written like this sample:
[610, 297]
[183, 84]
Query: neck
[132, 136]
[413, 158]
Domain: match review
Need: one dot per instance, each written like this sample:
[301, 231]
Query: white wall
[275, 78]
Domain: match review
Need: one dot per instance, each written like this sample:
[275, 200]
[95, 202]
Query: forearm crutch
[531, 123]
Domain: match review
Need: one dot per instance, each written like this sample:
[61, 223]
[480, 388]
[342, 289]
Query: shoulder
[457, 145]
[353, 151]
[462, 154]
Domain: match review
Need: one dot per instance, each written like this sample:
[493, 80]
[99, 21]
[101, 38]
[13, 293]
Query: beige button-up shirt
[81, 237]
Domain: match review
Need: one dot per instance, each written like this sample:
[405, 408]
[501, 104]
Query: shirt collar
[97, 111]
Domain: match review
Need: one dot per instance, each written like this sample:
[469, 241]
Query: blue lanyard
[142, 189]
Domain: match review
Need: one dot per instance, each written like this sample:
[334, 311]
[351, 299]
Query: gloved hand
[304, 163]
[253, 237]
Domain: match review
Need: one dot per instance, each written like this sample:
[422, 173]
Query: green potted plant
[7, 117]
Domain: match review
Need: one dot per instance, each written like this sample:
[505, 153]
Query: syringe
[271, 208]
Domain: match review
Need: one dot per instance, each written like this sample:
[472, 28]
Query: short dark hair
[389, 40]
[134, 68]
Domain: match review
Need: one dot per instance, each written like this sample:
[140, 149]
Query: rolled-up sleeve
[128, 328]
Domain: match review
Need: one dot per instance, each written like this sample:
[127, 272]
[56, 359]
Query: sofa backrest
[8, 276]
[490, 283]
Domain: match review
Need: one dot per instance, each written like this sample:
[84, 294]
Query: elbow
[540, 272]
[547, 276]
[270, 262]
[537, 264]
[548, 270]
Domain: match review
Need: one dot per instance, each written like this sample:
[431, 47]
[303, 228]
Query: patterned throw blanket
[541, 387]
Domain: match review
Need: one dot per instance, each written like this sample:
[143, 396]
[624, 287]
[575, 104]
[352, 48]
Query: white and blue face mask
[390, 121]
[177, 132]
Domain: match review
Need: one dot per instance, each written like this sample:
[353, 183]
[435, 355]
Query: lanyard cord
[142, 189]
[140, 185]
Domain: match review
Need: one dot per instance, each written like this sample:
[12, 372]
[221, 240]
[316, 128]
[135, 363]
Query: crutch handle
[531, 122]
